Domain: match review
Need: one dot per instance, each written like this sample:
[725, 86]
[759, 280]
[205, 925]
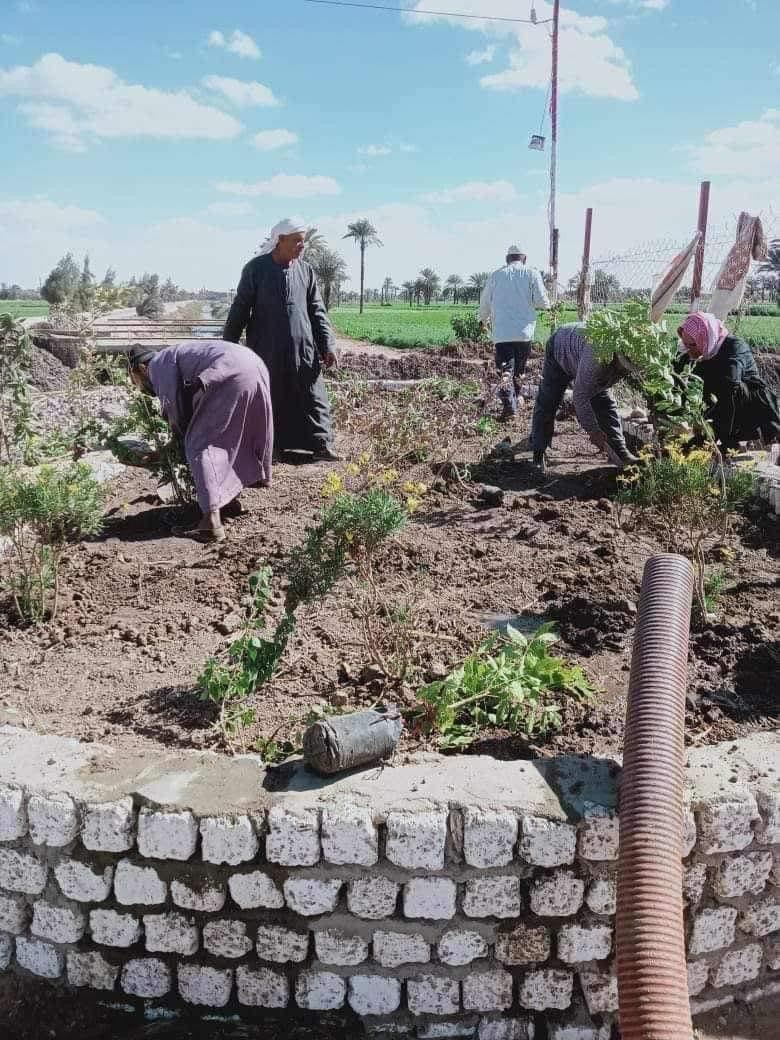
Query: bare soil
[142, 610]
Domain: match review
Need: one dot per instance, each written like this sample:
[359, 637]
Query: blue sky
[169, 135]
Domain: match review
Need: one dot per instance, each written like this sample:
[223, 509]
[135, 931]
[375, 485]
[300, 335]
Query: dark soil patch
[142, 610]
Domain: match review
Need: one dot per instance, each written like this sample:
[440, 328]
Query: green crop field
[24, 308]
[404, 326]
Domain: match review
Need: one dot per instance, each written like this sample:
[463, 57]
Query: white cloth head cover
[514, 251]
[288, 226]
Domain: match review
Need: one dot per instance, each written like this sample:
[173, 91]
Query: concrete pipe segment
[651, 968]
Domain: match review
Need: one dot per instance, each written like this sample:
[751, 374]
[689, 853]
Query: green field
[24, 308]
[404, 326]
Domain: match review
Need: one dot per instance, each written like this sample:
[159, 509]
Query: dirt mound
[589, 626]
[410, 366]
[47, 372]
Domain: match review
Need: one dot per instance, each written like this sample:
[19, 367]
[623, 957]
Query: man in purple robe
[216, 396]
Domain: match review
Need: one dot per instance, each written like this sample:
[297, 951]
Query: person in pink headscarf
[742, 407]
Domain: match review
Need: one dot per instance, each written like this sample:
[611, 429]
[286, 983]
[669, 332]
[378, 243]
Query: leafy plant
[509, 682]
[486, 426]
[468, 328]
[714, 584]
[40, 513]
[17, 428]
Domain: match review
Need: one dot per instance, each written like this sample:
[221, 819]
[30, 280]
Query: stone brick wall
[469, 909]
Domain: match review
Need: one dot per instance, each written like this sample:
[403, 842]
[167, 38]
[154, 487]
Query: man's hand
[330, 360]
[598, 439]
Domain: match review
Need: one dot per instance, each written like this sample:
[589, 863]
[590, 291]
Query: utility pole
[554, 151]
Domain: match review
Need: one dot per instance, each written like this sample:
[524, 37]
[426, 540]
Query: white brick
[694, 880]
[198, 894]
[336, 947]
[275, 943]
[53, 820]
[492, 897]
[761, 918]
[13, 815]
[698, 973]
[726, 826]
[349, 836]
[689, 833]
[487, 991]
[372, 898]
[170, 933]
[226, 938]
[253, 890]
[773, 955]
[712, 930]
[60, 924]
[261, 987]
[432, 995]
[146, 977]
[431, 898]
[489, 838]
[135, 885]
[110, 928]
[523, 945]
[83, 882]
[387, 1029]
[437, 1030]
[22, 872]
[310, 896]
[547, 988]
[506, 1029]
[91, 969]
[6, 951]
[768, 831]
[415, 841]
[577, 943]
[39, 958]
[228, 839]
[461, 947]
[392, 949]
[109, 826]
[559, 895]
[601, 897]
[600, 989]
[600, 834]
[293, 838]
[547, 843]
[738, 966]
[579, 1031]
[741, 874]
[374, 995]
[320, 991]
[206, 987]
[167, 835]
[13, 914]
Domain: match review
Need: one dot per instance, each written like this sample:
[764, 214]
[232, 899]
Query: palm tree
[331, 272]
[315, 245]
[478, 281]
[430, 284]
[365, 234]
[408, 291]
[453, 283]
[771, 265]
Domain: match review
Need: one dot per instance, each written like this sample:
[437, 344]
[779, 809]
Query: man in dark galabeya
[279, 305]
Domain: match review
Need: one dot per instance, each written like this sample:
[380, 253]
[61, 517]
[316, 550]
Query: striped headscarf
[707, 332]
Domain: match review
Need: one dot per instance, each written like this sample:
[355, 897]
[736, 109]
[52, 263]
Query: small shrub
[17, 428]
[40, 514]
[509, 682]
[468, 328]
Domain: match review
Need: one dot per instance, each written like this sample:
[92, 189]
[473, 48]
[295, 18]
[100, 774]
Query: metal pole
[698, 263]
[554, 151]
[582, 302]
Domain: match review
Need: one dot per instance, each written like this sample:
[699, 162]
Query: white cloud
[374, 151]
[244, 93]
[283, 186]
[749, 150]
[238, 42]
[268, 140]
[591, 62]
[474, 191]
[229, 209]
[77, 104]
[483, 57]
[643, 5]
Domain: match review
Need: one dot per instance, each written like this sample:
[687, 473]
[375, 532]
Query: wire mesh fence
[633, 273]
